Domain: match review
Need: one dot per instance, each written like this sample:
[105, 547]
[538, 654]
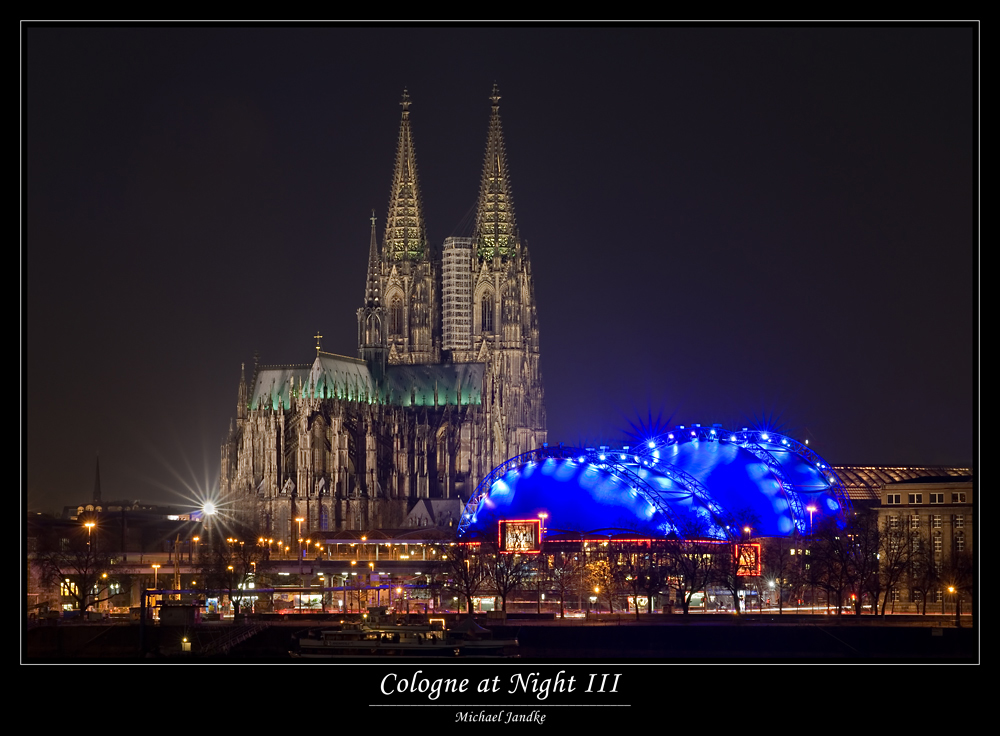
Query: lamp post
[958, 606]
[354, 574]
[299, 519]
[156, 569]
[812, 510]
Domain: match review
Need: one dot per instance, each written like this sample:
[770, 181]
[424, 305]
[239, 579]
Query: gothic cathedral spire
[405, 236]
[496, 230]
[371, 317]
[373, 286]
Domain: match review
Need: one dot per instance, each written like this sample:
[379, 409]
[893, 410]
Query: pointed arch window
[396, 316]
[486, 319]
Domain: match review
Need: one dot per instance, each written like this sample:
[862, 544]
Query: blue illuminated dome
[695, 481]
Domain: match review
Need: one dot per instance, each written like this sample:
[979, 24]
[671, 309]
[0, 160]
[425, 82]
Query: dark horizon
[733, 224]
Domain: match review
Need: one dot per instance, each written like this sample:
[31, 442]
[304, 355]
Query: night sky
[741, 225]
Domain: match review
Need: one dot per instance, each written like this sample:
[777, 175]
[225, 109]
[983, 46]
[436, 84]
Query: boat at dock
[363, 639]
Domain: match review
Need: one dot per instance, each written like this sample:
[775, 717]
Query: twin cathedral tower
[446, 384]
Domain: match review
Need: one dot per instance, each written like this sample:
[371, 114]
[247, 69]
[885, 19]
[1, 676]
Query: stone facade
[355, 443]
[936, 521]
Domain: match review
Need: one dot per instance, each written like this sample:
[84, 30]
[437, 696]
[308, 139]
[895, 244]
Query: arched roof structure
[690, 482]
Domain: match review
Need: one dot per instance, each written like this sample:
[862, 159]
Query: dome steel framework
[703, 478]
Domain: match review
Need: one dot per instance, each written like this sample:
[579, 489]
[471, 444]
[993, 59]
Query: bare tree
[895, 551]
[230, 564]
[690, 557]
[960, 575]
[865, 544]
[833, 560]
[75, 559]
[466, 572]
[507, 571]
[635, 571]
[727, 569]
[923, 573]
[780, 568]
[566, 576]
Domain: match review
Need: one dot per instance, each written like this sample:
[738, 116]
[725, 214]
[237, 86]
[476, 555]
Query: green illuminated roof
[272, 385]
[339, 377]
[454, 384]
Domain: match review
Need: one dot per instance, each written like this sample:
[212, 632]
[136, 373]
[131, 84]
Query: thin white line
[493, 705]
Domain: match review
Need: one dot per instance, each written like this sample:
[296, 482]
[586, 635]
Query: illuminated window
[936, 521]
[67, 587]
[894, 523]
[938, 544]
[915, 498]
[959, 541]
[959, 521]
[957, 497]
[895, 596]
[914, 522]
[938, 596]
[893, 498]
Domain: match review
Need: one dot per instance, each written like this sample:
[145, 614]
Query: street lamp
[812, 510]
[156, 569]
[300, 520]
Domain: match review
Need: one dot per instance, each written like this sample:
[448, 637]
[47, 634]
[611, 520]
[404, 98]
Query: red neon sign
[523, 536]
[747, 560]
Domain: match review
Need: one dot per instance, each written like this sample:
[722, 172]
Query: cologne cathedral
[445, 386]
